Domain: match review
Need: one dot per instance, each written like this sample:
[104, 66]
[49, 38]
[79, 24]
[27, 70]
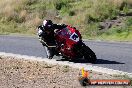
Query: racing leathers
[46, 37]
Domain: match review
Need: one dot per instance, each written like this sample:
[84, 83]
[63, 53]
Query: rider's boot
[49, 52]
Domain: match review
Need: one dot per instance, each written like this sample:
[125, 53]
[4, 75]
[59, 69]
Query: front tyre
[88, 54]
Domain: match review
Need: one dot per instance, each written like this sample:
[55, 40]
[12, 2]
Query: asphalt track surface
[117, 56]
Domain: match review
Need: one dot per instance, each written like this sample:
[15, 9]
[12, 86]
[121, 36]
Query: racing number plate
[74, 37]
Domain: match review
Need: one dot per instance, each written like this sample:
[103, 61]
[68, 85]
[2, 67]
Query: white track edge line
[71, 64]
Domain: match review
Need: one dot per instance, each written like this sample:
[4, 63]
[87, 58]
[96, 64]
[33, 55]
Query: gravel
[20, 73]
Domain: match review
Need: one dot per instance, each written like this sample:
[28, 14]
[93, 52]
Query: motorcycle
[70, 45]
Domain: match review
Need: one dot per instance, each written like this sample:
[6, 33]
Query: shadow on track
[102, 61]
[99, 61]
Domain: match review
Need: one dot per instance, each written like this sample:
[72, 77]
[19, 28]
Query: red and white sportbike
[71, 46]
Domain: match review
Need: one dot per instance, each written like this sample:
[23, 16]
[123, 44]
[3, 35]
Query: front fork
[78, 49]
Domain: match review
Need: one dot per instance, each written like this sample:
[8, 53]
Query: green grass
[121, 33]
[24, 16]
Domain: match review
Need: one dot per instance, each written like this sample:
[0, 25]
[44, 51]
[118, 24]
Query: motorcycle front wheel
[88, 54]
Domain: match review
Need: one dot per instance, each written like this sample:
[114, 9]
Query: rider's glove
[40, 32]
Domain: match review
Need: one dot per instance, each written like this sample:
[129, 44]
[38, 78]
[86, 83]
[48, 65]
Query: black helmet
[47, 23]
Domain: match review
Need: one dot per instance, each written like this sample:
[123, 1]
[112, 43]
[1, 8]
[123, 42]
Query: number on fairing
[74, 37]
